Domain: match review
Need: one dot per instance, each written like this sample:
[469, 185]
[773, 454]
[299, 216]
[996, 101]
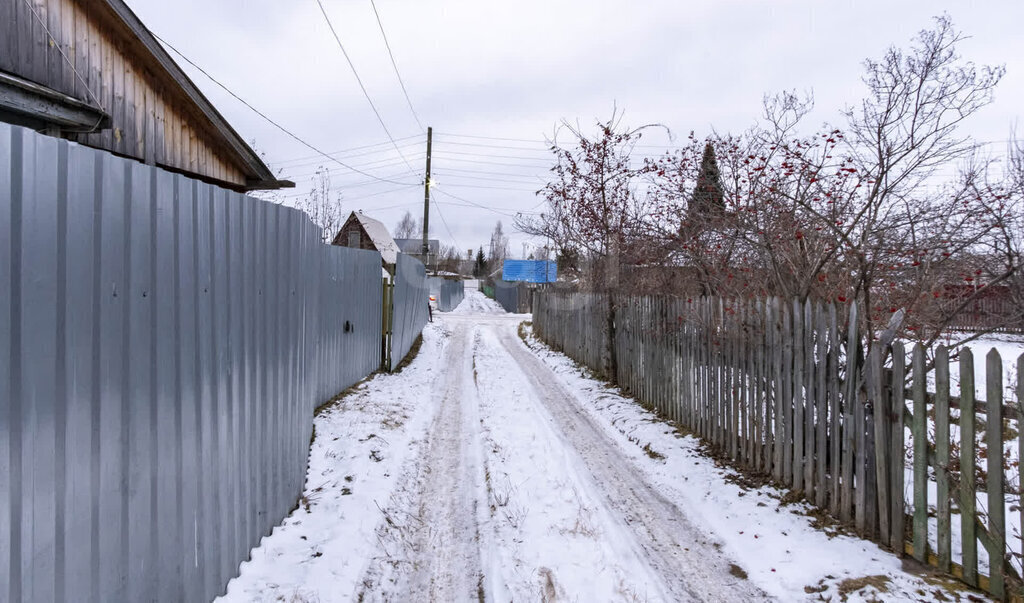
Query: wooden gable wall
[152, 120]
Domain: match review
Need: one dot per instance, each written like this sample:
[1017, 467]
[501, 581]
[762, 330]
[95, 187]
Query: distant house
[414, 247]
[95, 74]
[363, 232]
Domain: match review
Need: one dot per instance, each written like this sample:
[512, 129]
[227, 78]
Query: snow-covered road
[491, 470]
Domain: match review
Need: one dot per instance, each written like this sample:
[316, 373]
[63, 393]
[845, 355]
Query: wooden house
[363, 232]
[91, 72]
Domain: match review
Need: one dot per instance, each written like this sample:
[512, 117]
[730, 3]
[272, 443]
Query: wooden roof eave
[258, 175]
[263, 185]
[46, 105]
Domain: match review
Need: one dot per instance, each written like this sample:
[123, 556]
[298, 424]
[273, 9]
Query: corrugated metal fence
[514, 297]
[163, 344]
[409, 299]
[451, 296]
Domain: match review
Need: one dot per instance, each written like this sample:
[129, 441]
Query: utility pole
[426, 202]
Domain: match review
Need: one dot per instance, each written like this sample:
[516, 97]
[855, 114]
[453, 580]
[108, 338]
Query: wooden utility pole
[426, 202]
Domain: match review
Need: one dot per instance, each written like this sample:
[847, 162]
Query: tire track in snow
[550, 536]
[435, 524]
[691, 566]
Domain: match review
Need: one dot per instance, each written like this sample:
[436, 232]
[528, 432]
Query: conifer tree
[708, 200]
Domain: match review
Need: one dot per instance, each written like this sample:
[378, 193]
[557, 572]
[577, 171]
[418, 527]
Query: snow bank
[320, 551]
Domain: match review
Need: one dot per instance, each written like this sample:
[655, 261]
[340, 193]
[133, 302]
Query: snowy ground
[493, 470]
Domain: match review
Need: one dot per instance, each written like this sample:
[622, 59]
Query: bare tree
[898, 211]
[860, 214]
[594, 207]
[408, 227]
[323, 205]
[273, 196]
[498, 248]
[449, 259]
[899, 136]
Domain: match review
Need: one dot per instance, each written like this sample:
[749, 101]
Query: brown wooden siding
[353, 225]
[150, 120]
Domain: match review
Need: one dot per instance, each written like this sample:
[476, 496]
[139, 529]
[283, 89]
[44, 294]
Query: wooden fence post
[787, 394]
[876, 398]
[898, 405]
[942, 457]
[1020, 435]
[968, 498]
[860, 445]
[798, 397]
[920, 435]
[835, 409]
[758, 423]
[810, 395]
[733, 363]
[779, 434]
[716, 367]
[821, 410]
[849, 401]
[994, 483]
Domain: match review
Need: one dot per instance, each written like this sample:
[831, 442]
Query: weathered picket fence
[788, 390]
[999, 313]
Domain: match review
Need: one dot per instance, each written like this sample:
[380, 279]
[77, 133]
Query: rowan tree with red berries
[896, 210]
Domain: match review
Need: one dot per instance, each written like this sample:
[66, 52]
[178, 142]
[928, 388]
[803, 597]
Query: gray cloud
[514, 70]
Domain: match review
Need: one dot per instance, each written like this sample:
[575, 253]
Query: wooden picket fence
[998, 314]
[787, 389]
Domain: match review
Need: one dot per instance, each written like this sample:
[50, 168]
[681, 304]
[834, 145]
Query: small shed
[363, 232]
[91, 72]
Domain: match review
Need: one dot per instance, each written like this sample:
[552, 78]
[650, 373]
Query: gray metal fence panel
[410, 302]
[507, 294]
[451, 295]
[9, 332]
[435, 283]
[163, 344]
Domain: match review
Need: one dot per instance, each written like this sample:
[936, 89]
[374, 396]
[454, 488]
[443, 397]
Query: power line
[395, 65]
[545, 160]
[506, 180]
[445, 222]
[361, 86]
[548, 143]
[522, 178]
[349, 153]
[489, 137]
[501, 163]
[360, 184]
[346, 199]
[474, 204]
[491, 173]
[334, 174]
[378, 164]
[495, 188]
[270, 121]
[546, 150]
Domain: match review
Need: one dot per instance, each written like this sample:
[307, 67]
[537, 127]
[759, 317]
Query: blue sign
[529, 271]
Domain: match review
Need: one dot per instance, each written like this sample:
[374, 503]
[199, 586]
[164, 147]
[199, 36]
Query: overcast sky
[513, 70]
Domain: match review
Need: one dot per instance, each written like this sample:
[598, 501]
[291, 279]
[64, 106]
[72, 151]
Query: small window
[353, 239]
